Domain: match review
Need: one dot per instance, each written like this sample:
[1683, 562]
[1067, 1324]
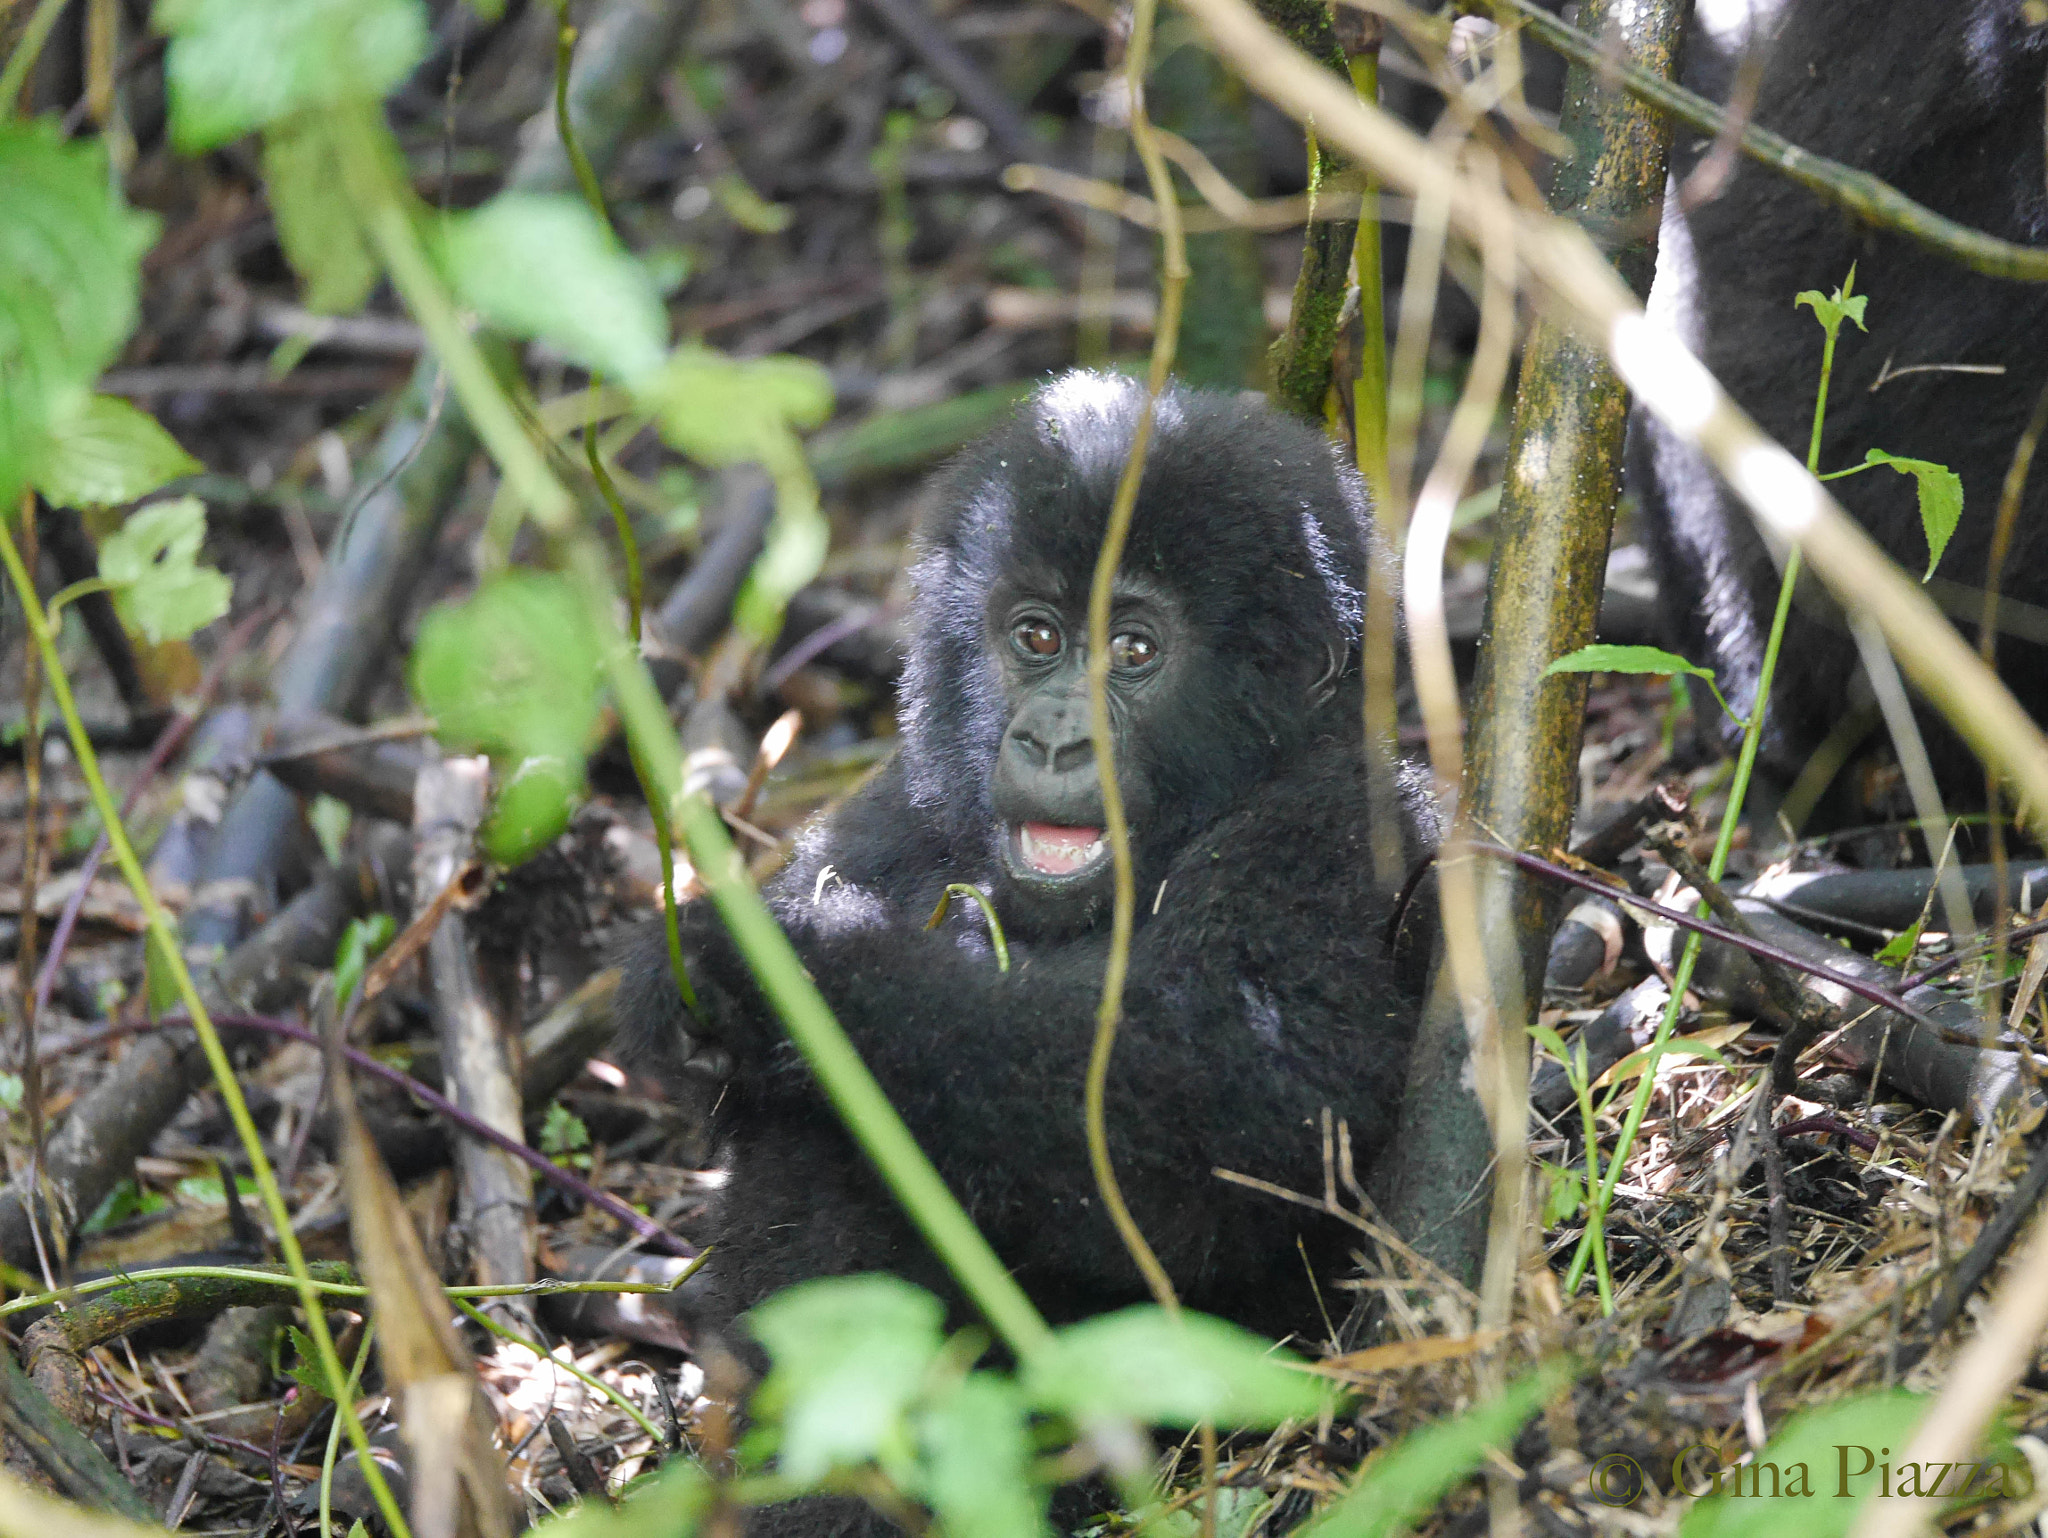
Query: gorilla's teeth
[1057, 851]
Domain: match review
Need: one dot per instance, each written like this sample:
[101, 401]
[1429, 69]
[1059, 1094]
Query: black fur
[1259, 992]
[1942, 98]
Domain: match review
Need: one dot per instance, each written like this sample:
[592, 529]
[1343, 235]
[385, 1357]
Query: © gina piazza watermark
[1854, 1471]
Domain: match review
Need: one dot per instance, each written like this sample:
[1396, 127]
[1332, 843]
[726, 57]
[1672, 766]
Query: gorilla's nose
[1063, 754]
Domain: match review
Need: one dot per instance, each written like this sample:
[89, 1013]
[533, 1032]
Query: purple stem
[1537, 865]
[541, 1165]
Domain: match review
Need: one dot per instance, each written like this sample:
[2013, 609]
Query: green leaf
[209, 1189]
[306, 1371]
[69, 257]
[360, 944]
[239, 65]
[11, 1091]
[1941, 499]
[1829, 1441]
[1566, 1193]
[101, 451]
[1626, 659]
[1142, 1364]
[532, 808]
[1899, 949]
[512, 670]
[317, 229]
[723, 411]
[1410, 1477]
[850, 1356]
[726, 411]
[562, 1131]
[126, 1200]
[977, 1462]
[543, 266]
[152, 564]
[329, 818]
[1832, 309]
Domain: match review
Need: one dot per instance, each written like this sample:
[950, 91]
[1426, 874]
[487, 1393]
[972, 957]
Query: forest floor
[808, 181]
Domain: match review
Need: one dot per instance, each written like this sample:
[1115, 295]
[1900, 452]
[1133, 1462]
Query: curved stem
[1172, 283]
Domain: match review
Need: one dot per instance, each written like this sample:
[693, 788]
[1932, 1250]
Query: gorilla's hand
[728, 1026]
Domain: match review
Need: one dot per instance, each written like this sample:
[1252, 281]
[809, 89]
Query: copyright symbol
[1616, 1480]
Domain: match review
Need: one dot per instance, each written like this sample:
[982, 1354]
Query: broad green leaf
[238, 65]
[1941, 499]
[152, 564]
[1409, 1478]
[101, 452]
[542, 266]
[849, 1355]
[359, 946]
[1142, 1364]
[725, 411]
[977, 1462]
[69, 257]
[317, 229]
[1832, 309]
[512, 670]
[1831, 1453]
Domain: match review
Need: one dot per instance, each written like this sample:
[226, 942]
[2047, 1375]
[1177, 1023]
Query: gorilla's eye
[1037, 638]
[1133, 653]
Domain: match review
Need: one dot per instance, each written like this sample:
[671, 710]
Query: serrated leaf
[101, 452]
[1142, 1364]
[976, 1447]
[238, 65]
[69, 258]
[512, 670]
[1409, 1478]
[543, 266]
[152, 564]
[1832, 309]
[850, 1355]
[318, 230]
[1941, 499]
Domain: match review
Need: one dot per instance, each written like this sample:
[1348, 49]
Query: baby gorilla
[1260, 989]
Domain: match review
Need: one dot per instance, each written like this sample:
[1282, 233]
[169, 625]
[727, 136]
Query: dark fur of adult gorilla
[1261, 990]
[1942, 98]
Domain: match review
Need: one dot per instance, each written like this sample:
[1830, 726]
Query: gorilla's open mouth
[1050, 852]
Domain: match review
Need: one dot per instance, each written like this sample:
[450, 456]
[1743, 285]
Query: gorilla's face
[1046, 789]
